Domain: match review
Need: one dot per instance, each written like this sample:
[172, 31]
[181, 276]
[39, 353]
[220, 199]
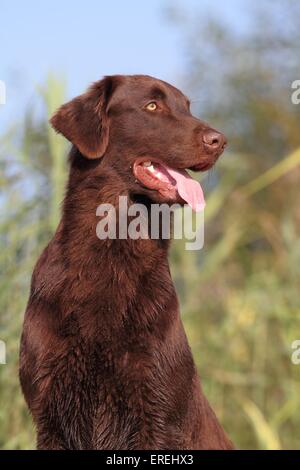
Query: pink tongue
[188, 188]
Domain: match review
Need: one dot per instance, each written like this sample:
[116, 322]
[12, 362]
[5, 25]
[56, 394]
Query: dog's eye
[151, 106]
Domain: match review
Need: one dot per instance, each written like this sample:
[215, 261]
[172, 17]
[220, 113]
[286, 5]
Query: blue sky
[84, 40]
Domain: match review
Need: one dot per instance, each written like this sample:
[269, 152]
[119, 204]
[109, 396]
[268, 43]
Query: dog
[104, 359]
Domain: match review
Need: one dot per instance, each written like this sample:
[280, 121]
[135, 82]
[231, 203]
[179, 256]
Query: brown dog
[105, 362]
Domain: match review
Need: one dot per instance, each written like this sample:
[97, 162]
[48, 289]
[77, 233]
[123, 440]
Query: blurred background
[239, 295]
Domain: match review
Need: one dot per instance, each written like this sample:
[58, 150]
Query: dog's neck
[127, 263]
[86, 191]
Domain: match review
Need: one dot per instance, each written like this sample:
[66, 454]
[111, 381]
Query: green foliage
[240, 295]
[241, 307]
[32, 183]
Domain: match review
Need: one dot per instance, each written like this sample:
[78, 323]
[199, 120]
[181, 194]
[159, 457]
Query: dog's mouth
[170, 183]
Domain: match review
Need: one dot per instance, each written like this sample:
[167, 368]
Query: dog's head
[142, 127]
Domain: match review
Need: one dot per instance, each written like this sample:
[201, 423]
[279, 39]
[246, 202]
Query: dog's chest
[130, 393]
[107, 399]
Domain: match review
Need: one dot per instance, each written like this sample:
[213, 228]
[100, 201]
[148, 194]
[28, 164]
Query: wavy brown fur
[105, 363]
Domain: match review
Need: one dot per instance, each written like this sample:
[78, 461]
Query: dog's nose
[213, 140]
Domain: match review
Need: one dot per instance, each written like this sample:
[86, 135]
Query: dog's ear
[84, 121]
